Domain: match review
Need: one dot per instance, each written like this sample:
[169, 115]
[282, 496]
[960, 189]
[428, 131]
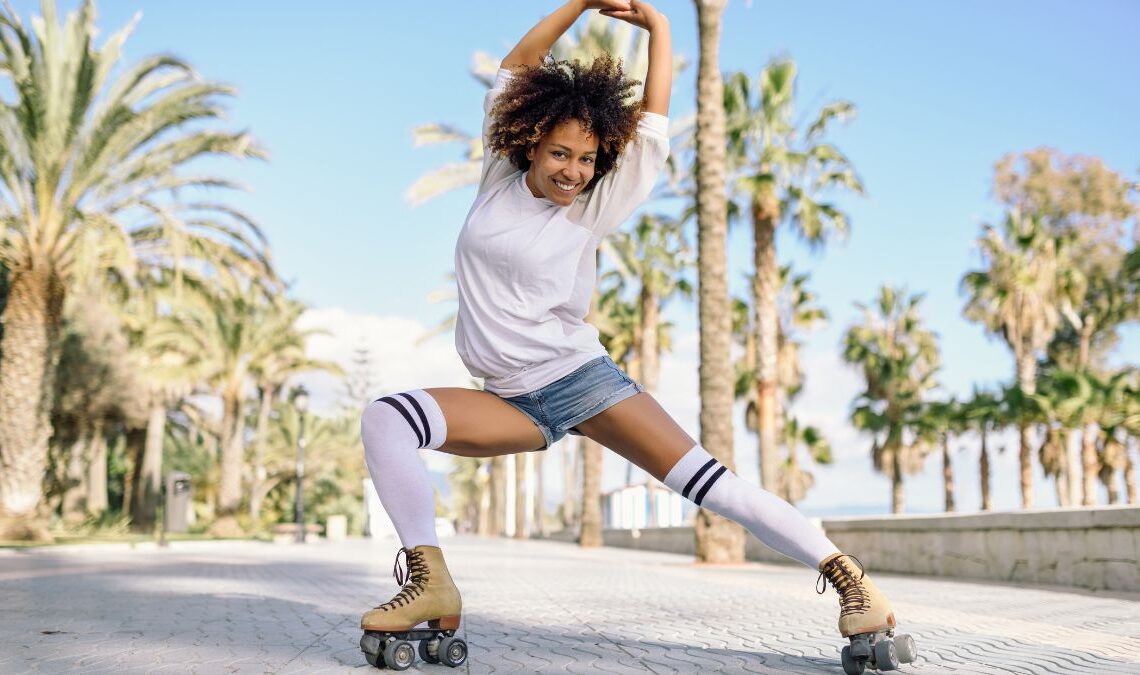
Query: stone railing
[1096, 548]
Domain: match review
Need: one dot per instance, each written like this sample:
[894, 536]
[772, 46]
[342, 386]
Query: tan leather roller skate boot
[865, 617]
[428, 594]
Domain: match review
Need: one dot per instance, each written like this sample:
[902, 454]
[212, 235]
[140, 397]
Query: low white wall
[1096, 548]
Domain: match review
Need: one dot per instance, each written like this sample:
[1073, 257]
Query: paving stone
[530, 606]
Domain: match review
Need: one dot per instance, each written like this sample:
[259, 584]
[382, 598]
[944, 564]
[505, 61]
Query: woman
[568, 159]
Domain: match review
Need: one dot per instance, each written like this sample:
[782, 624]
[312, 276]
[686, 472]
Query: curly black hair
[539, 98]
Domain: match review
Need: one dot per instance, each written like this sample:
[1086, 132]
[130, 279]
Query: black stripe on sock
[423, 418]
[696, 477]
[709, 484]
[396, 404]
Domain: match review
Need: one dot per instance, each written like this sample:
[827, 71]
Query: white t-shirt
[525, 267]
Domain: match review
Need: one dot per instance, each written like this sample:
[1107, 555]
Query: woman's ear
[530, 153]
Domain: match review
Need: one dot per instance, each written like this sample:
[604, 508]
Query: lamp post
[301, 404]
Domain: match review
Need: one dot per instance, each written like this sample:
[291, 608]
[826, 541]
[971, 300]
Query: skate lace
[413, 577]
[852, 595]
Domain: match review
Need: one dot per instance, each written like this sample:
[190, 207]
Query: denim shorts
[561, 405]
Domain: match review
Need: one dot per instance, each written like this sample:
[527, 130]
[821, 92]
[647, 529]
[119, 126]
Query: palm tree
[84, 152]
[782, 172]
[718, 540]
[223, 331]
[942, 420]
[793, 482]
[1020, 295]
[280, 360]
[983, 411]
[797, 312]
[898, 358]
[655, 256]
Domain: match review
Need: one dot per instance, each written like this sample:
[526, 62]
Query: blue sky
[943, 89]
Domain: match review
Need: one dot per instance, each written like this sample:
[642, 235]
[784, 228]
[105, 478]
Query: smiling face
[562, 163]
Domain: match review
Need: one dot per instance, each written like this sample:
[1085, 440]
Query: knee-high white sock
[393, 429]
[706, 482]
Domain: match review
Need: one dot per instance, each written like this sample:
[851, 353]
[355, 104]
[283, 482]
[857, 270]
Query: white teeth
[565, 187]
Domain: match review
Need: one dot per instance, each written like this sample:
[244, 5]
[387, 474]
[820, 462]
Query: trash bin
[177, 502]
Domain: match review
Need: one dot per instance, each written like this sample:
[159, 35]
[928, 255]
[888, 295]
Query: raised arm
[659, 79]
[537, 42]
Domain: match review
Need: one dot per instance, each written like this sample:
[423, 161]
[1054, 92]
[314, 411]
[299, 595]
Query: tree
[782, 172]
[718, 540]
[223, 331]
[1078, 198]
[983, 412]
[1019, 294]
[87, 153]
[942, 420]
[898, 358]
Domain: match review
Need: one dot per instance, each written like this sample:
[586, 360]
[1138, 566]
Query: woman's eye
[588, 160]
[559, 154]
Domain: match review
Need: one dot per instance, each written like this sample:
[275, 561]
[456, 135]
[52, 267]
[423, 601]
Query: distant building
[649, 504]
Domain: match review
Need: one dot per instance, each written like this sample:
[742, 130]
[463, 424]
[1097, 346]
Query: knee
[401, 419]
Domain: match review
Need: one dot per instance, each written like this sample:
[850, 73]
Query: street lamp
[301, 404]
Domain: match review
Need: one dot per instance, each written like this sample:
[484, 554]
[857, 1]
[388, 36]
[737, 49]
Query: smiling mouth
[565, 187]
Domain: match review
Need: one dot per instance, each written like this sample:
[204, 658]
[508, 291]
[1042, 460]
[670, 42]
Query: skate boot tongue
[853, 598]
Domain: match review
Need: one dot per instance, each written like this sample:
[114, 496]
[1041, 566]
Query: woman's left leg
[642, 432]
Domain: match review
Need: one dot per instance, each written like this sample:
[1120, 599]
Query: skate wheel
[906, 649]
[452, 651]
[429, 650]
[851, 665]
[399, 655]
[885, 656]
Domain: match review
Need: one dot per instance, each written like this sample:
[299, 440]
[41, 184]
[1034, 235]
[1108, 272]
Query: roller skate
[865, 617]
[428, 594]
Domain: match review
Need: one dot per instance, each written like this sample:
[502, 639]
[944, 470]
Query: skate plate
[394, 650]
[880, 651]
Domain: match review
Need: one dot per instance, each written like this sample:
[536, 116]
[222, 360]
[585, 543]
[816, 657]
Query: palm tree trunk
[1108, 477]
[569, 474]
[1129, 473]
[134, 444]
[145, 505]
[947, 474]
[29, 351]
[1090, 465]
[229, 482]
[1064, 483]
[650, 349]
[498, 502]
[1027, 380]
[75, 495]
[591, 535]
[717, 539]
[262, 436]
[96, 470]
[984, 472]
[539, 511]
[765, 287]
[896, 481]
[520, 495]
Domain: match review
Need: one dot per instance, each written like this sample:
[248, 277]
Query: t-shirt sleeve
[618, 194]
[495, 167]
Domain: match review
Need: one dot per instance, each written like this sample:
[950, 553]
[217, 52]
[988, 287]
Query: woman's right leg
[394, 428]
[458, 421]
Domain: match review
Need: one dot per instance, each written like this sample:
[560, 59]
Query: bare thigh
[480, 424]
[640, 430]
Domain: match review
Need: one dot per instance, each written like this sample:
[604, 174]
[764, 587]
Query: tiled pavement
[530, 607]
